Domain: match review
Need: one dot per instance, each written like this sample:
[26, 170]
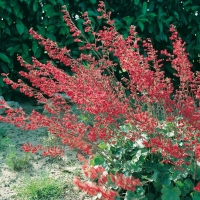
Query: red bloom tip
[197, 188]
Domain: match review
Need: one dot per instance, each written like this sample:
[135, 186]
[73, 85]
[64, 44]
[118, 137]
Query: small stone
[76, 188]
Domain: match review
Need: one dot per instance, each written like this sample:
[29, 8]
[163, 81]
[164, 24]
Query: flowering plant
[139, 138]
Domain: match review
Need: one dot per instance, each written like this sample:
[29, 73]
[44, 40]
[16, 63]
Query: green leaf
[64, 30]
[165, 178]
[144, 8]
[170, 193]
[197, 47]
[51, 28]
[157, 186]
[8, 8]
[35, 6]
[129, 20]
[151, 14]
[157, 38]
[80, 24]
[25, 48]
[98, 160]
[195, 8]
[20, 28]
[51, 13]
[142, 18]
[190, 45]
[160, 11]
[51, 36]
[46, 7]
[13, 3]
[176, 15]
[150, 196]
[4, 67]
[163, 36]
[93, 1]
[52, 2]
[186, 3]
[136, 2]
[34, 46]
[184, 18]
[102, 145]
[14, 49]
[2, 4]
[151, 28]
[195, 195]
[38, 52]
[198, 35]
[169, 20]
[1, 81]
[16, 9]
[151, 6]
[137, 194]
[169, 68]
[42, 30]
[160, 25]
[69, 41]
[9, 21]
[26, 57]
[92, 13]
[185, 186]
[4, 58]
[141, 25]
[129, 195]
[20, 15]
[2, 24]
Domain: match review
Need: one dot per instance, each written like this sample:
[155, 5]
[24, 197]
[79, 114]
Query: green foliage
[41, 187]
[4, 142]
[195, 195]
[185, 186]
[160, 181]
[170, 193]
[151, 18]
[16, 162]
[138, 194]
[17, 17]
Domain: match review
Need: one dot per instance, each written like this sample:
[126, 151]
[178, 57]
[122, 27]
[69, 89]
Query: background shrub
[151, 17]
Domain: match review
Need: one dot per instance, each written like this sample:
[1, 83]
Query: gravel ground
[64, 169]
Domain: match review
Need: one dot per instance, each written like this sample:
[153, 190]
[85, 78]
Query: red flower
[197, 188]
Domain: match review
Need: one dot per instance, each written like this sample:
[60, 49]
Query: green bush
[152, 19]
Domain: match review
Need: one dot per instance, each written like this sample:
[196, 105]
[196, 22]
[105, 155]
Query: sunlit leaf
[20, 28]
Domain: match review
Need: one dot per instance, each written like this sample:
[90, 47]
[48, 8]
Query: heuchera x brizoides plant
[140, 138]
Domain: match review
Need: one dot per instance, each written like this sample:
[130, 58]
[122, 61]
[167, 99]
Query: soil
[64, 168]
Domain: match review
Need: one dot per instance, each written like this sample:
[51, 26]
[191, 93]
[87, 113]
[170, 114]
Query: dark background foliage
[152, 18]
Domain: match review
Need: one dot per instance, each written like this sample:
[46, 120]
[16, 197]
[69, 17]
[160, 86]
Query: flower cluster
[52, 151]
[99, 173]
